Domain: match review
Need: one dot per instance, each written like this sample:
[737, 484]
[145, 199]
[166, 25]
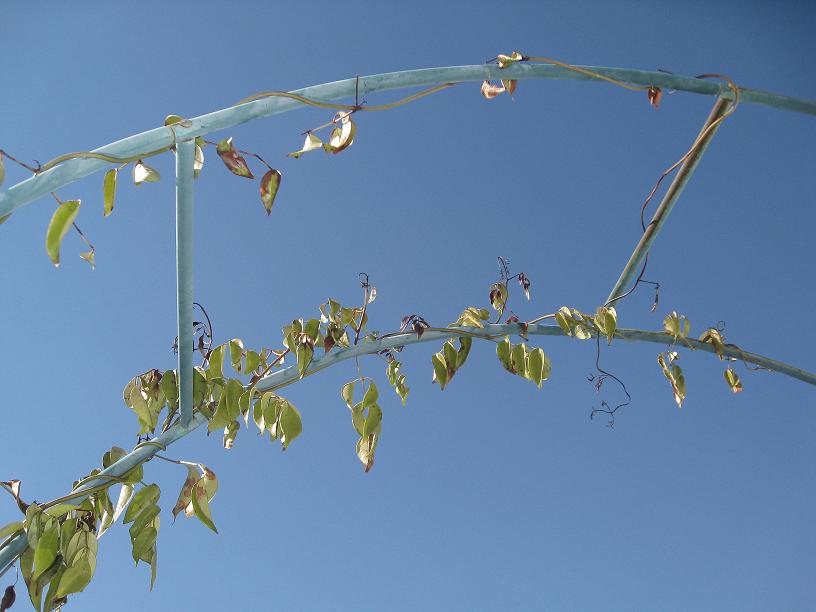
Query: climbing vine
[234, 384]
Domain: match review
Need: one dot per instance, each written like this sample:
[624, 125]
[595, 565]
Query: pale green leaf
[109, 190]
[60, 223]
[290, 424]
[142, 173]
[75, 578]
[201, 506]
[10, 528]
[145, 498]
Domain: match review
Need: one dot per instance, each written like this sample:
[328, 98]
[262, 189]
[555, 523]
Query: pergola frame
[181, 136]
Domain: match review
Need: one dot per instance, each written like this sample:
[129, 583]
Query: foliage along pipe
[164, 137]
[146, 450]
[670, 198]
[185, 157]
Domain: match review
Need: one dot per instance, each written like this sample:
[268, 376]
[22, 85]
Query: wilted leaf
[90, 257]
[198, 161]
[506, 60]
[109, 190]
[674, 374]
[201, 506]
[142, 173]
[714, 337]
[270, 182]
[342, 136]
[186, 494]
[490, 91]
[509, 85]
[232, 159]
[311, 143]
[654, 94]
[59, 225]
[9, 596]
[733, 380]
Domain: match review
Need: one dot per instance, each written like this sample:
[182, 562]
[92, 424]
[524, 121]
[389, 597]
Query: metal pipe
[32, 188]
[670, 198]
[185, 157]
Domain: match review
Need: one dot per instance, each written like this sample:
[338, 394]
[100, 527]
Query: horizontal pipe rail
[289, 375]
[160, 138]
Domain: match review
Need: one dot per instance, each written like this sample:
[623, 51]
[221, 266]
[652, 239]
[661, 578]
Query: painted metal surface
[185, 157]
[633, 266]
[30, 189]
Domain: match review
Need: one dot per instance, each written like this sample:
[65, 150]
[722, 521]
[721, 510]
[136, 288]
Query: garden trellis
[181, 135]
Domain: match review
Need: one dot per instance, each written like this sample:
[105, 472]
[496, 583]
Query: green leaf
[186, 494]
[503, 353]
[60, 223]
[518, 359]
[451, 357]
[145, 498]
[714, 337]
[236, 347]
[440, 369]
[142, 173]
[232, 159]
[347, 392]
[10, 528]
[676, 325]
[733, 380]
[201, 506]
[253, 360]
[371, 394]
[60, 509]
[373, 421]
[464, 350]
[220, 418]
[173, 119]
[146, 517]
[125, 496]
[4, 218]
[109, 190]
[564, 319]
[233, 391]
[215, 370]
[144, 542]
[75, 578]
[304, 353]
[169, 387]
[46, 550]
[270, 183]
[535, 366]
[200, 387]
[290, 424]
[606, 319]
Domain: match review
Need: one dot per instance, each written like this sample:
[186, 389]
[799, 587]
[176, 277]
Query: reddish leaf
[654, 94]
[269, 189]
[232, 159]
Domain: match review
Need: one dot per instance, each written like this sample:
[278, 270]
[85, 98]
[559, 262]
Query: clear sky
[491, 495]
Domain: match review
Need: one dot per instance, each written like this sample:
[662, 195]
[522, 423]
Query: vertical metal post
[669, 200]
[185, 157]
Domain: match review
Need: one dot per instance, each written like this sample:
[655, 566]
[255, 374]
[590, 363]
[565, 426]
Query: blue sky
[491, 495]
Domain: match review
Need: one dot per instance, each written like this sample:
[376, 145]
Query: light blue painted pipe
[185, 157]
[290, 374]
[139, 144]
[633, 266]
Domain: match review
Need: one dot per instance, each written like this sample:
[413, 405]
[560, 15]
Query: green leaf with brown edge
[2, 171]
[506, 60]
[451, 357]
[60, 223]
[373, 421]
[365, 450]
[270, 183]
[146, 497]
[46, 550]
[733, 380]
[674, 374]
[186, 493]
[290, 424]
[233, 160]
[109, 190]
[142, 173]
[201, 506]
[440, 370]
[75, 578]
[342, 136]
